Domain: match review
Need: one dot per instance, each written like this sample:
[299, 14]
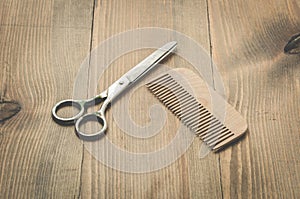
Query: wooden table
[42, 46]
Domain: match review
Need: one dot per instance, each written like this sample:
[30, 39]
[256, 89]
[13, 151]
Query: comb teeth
[190, 111]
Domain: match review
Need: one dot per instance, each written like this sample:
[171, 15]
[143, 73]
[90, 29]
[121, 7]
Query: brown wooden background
[43, 43]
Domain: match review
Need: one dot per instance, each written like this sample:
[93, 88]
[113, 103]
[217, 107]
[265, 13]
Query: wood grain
[189, 176]
[8, 109]
[213, 120]
[43, 46]
[41, 49]
[263, 83]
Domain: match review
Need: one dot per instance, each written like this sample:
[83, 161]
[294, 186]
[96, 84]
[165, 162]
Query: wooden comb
[199, 107]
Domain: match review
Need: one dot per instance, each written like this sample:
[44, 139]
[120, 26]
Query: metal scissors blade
[148, 63]
[140, 70]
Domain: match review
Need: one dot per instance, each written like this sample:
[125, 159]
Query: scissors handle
[81, 118]
[96, 116]
[78, 104]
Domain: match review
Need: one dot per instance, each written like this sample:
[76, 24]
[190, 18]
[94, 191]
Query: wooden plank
[41, 51]
[263, 84]
[43, 44]
[56, 13]
[189, 176]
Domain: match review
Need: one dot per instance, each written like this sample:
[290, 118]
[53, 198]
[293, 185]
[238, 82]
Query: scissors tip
[173, 43]
[169, 46]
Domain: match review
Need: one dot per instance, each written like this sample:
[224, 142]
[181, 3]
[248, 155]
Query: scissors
[108, 95]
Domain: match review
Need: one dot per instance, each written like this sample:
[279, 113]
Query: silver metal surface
[107, 96]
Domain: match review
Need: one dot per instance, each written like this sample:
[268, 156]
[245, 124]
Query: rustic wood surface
[44, 43]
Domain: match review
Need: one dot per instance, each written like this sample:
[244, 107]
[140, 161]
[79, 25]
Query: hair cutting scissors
[108, 95]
